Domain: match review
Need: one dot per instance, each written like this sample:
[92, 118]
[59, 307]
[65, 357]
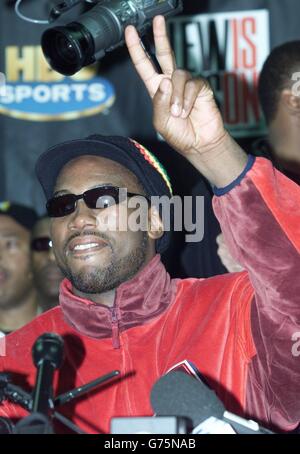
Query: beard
[99, 280]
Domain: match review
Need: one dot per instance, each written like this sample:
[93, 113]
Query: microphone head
[179, 394]
[48, 347]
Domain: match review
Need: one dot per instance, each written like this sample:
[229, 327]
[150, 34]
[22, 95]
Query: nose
[83, 217]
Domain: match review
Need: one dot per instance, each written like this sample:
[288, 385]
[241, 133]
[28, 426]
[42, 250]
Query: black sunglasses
[97, 198]
[41, 244]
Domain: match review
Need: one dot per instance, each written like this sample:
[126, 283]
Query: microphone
[47, 354]
[179, 394]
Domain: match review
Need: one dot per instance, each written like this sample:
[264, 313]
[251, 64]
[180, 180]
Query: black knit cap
[22, 214]
[125, 151]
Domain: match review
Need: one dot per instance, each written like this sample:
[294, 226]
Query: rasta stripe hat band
[125, 151]
[22, 214]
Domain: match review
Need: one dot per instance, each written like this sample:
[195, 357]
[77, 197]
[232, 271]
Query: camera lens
[67, 49]
[97, 31]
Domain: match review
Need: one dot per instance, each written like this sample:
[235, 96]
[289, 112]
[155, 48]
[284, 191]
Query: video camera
[97, 31]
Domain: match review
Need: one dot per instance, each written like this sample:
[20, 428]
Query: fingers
[183, 94]
[191, 93]
[143, 62]
[188, 93]
[180, 79]
[164, 53]
[140, 59]
[161, 104]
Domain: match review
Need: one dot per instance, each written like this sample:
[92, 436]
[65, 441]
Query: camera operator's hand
[185, 112]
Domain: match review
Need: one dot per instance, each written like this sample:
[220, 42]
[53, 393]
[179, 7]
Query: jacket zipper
[115, 328]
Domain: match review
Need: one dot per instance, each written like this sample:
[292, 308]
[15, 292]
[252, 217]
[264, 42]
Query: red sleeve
[260, 218]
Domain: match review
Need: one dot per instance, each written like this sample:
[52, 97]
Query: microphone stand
[81, 390]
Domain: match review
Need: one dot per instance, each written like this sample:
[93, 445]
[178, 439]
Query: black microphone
[179, 394]
[47, 354]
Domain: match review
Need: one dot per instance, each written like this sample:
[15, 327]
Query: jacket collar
[137, 302]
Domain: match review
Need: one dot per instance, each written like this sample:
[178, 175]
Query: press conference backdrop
[224, 40]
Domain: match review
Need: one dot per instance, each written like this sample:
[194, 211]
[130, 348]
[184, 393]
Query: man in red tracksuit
[118, 307]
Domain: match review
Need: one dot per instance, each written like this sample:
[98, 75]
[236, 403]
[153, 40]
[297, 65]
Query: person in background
[46, 274]
[18, 299]
[279, 95]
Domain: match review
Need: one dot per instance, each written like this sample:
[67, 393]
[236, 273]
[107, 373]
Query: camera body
[100, 30]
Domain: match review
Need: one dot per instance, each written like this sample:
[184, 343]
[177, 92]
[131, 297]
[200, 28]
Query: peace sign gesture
[185, 112]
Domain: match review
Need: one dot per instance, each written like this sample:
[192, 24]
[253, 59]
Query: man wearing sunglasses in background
[47, 276]
[18, 298]
[119, 309]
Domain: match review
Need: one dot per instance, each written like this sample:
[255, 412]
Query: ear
[156, 228]
[291, 101]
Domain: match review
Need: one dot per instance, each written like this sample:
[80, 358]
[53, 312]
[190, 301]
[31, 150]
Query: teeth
[83, 247]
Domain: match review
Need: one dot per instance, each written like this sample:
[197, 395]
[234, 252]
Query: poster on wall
[35, 92]
[229, 49]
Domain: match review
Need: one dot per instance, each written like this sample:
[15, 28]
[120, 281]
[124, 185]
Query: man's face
[93, 258]
[47, 275]
[15, 266]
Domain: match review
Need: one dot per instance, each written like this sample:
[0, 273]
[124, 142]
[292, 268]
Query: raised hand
[185, 112]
